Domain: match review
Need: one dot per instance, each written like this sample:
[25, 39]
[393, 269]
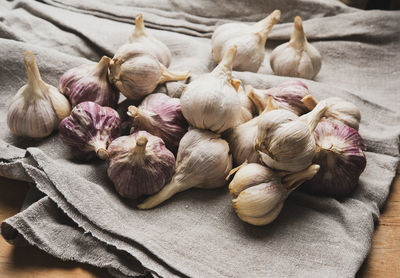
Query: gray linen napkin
[197, 233]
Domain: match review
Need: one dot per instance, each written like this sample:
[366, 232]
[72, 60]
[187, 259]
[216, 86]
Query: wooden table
[18, 262]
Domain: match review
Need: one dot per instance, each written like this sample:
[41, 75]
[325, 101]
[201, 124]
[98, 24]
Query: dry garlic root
[297, 57]
[249, 39]
[37, 108]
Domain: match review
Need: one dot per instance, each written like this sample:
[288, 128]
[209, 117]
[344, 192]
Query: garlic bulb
[340, 154]
[203, 161]
[261, 204]
[154, 47]
[287, 95]
[136, 72]
[210, 101]
[161, 116]
[297, 57]
[89, 130]
[37, 108]
[89, 83]
[338, 110]
[139, 164]
[247, 107]
[249, 39]
[286, 141]
[242, 138]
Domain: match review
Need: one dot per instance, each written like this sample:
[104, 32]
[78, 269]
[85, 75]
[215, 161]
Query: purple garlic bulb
[287, 96]
[90, 129]
[89, 83]
[139, 164]
[161, 116]
[340, 155]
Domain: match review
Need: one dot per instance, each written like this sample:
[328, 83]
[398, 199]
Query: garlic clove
[154, 46]
[37, 108]
[203, 161]
[264, 219]
[297, 57]
[249, 175]
[338, 110]
[250, 40]
[139, 164]
[89, 83]
[210, 101]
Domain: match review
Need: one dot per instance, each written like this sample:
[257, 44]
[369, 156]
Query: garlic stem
[292, 181]
[133, 111]
[140, 146]
[255, 98]
[102, 154]
[166, 192]
[100, 149]
[167, 75]
[310, 102]
[34, 79]
[267, 23]
[236, 84]
[101, 69]
[225, 66]
[139, 27]
[313, 117]
[298, 38]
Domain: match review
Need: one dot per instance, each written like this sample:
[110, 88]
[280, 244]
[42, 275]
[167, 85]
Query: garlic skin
[154, 47]
[161, 116]
[247, 107]
[210, 101]
[340, 154]
[139, 164]
[296, 58]
[261, 204]
[287, 95]
[286, 141]
[89, 83]
[37, 108]
[136, 72]
[338, 110]
[249, 39]
[203, 161]
[89, 130]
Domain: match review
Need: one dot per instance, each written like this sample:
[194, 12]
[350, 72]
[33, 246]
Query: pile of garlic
[277, 138]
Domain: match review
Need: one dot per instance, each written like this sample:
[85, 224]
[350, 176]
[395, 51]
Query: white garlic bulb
[339, 110]
[203, 161]
[242, 138]
[37, 108]
[247, 107]
[249, 39]
[210, 101]
[136, 72]
[286, 141]
[261, 204]
[155, 47]
[297, 57]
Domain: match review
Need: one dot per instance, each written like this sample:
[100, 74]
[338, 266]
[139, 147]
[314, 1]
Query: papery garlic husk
[37, 108]
[297, 57]
[210, 101]
[139, 164]
[136, 72]
[89, 83]
[262, 203]
[247, 107]
[203, 161]
[340, 155]
[286, 141]
[287, 95]
[89, 130]
[242, 138]
[161, 116]
[249, 39]
[154, 46]
[338, 110]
